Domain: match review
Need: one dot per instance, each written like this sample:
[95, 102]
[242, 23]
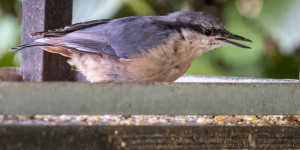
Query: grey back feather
[130, 36]
[125, 37]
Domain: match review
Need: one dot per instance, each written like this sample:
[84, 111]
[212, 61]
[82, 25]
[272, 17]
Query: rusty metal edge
[26, 98]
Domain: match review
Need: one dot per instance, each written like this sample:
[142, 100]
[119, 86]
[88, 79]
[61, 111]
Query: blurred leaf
[204, 65]
[8, 6]
[242, 62]
[10, 35]
[85, 10]
[17, 58]
[280, 19]
[141, 7]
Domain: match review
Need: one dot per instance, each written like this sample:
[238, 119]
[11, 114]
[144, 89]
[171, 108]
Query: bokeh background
[273, 25]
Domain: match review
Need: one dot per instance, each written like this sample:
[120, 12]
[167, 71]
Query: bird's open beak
[226, 36]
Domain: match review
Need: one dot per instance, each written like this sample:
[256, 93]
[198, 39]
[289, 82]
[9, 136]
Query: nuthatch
[138, 48]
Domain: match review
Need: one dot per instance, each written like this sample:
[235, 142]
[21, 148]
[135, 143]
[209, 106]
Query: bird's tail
[32, 44]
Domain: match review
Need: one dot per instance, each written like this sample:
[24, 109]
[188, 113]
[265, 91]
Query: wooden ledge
[148, 137]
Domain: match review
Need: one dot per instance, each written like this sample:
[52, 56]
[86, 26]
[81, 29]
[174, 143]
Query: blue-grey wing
[84, 37]
[125, 37]
[130, 36]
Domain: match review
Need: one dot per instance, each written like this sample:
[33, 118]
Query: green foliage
[10, 31]
[272, 25]
[280, 19]
[84, 10]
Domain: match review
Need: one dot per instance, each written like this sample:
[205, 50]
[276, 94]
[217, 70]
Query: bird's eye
[208, 32]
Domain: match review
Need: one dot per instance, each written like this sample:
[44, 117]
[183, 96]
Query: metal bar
[148, 137]
[13, 74]
[149, 98]
[41, 15]
[225, 79]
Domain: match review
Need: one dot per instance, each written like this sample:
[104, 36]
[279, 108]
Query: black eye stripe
[198, 28]
[202, 30]
[208, 32]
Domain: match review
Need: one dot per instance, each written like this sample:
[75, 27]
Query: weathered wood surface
[14, 74]
[10, 74]
[42, 15]
[148, 137]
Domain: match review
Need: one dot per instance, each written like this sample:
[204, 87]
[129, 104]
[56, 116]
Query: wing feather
[126, 37]
[71, 28]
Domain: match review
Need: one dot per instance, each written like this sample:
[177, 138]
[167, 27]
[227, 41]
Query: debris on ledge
[145, 120]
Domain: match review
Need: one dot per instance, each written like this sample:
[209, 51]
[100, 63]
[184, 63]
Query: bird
[137, 48]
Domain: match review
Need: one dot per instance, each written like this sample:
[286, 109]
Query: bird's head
[205, 30]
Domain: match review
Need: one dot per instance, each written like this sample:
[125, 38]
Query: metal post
[41, 15]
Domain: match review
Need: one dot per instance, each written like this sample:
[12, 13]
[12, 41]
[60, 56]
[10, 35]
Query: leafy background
[273, 25]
